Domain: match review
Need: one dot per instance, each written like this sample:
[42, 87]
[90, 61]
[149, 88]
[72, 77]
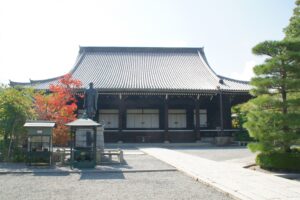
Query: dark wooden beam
[197, 115]
[221, 112]
[121, 114]
[95, 144]
[166, 119]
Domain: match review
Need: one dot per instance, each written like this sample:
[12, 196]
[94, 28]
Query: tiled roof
[145, 69]
[39, 123]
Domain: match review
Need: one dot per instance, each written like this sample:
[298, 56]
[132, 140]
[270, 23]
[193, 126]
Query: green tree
[239, 118]
[292, 31]
[273, 115]
[16, 106]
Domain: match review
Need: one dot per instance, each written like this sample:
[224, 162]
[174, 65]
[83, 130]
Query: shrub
[1, 150]
[37, 160]
[19, 155]
[279, 161]
[242, 135]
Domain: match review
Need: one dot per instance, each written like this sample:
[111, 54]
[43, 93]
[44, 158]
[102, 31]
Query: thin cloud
[246, 73]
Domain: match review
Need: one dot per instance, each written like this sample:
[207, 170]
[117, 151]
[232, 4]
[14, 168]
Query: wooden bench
[118, 153]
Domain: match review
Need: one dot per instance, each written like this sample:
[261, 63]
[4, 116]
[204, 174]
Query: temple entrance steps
[158, 145]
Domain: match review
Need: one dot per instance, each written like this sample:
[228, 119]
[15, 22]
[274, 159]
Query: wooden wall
[188, 134]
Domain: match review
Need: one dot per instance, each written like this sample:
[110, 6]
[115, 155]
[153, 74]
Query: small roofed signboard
[39, 142]
[39, 127]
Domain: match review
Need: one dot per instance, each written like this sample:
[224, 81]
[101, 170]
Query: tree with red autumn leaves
[59, 106]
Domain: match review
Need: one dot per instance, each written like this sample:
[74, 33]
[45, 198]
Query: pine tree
[292, 31]
[274, 117]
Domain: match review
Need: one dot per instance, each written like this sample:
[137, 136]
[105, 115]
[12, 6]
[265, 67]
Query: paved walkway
[241, 156]
[239, 182]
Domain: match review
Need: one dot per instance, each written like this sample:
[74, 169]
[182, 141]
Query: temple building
[155, 94]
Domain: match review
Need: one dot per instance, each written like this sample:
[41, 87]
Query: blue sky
[41, 39]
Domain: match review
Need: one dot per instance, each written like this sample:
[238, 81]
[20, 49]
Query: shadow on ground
[51, 173]
[101, 176]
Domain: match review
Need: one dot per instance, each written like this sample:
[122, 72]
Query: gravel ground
[150, 185]
[143, 162]
[103, 185]
[134, 161]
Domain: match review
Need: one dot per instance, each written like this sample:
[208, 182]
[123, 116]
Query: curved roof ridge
[206, 64]
[13, 83]
[114, 48]
[45, 80]
[77, 62]
[235, 80]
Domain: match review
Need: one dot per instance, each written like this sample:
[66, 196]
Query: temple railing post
[95, 145]
[221, 112]
[166, 120]
[121, 113]
[197, 119]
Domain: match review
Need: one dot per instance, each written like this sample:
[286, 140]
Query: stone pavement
[241, 183]
[241, 156]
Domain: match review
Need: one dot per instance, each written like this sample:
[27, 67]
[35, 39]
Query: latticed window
[110, 117]
[142, 118]
[84, 138]
[202, 118]
[39, 143]
[177, 118]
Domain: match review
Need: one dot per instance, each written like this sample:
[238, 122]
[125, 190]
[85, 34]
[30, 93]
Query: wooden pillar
[95, 144]
[96, 118]
[72, 147]
[197, 116]
[166, 120]
[121, 113]
[221, 113]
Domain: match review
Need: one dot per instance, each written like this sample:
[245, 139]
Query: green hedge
[1, 149]
[279, 161]
[242, 135]
[18, 155]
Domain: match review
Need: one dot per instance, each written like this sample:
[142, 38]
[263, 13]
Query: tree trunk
[284, 107]
[11, 138]
[284, 99]
[5, 136]
[284, 92]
